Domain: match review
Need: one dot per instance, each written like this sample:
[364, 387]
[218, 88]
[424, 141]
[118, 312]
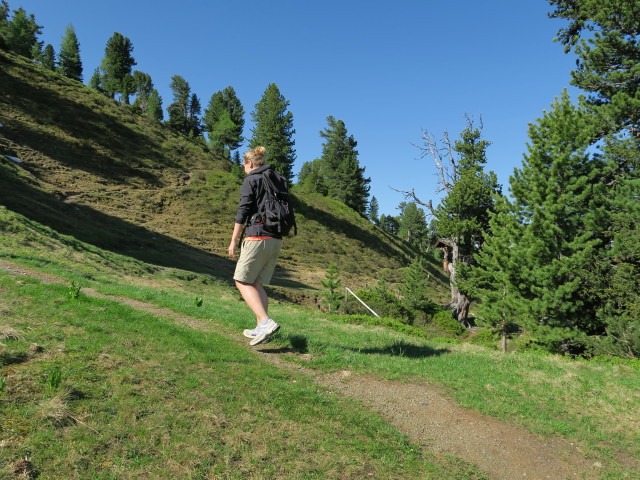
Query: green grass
[119, 393]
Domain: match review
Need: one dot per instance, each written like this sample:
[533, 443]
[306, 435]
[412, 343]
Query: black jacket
[252, 195]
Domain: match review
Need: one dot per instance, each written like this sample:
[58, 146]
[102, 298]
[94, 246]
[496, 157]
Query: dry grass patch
[56, 410]
[10, 333]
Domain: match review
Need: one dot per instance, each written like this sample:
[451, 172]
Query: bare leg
[255, 296]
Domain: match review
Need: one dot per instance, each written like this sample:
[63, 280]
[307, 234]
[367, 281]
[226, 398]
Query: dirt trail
[420, 410]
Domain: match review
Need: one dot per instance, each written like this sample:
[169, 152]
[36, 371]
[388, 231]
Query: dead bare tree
[448, 174]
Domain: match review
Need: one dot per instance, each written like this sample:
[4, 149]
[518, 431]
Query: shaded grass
[155, 400]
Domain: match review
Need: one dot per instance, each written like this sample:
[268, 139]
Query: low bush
[444, 321]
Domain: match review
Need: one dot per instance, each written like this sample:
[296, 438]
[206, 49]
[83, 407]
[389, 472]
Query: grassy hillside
[93, 169]
[91, 388]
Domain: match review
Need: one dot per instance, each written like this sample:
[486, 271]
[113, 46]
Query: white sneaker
[263, 332]
[252, 334]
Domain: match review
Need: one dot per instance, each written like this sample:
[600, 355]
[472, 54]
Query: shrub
[444, 321]
[487, 337]
[384, 302]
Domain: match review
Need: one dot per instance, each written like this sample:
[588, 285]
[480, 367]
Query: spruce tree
[4, 23]
[22, 32]
[116, 67]
[223, 120]
[341, 175]
[273, 129]
[179, 110]
[604, 37]
[70, 64]
[154, 106]
[541, 247]
[49, 58]
[372, 211]
[413, 224]
[193, 116]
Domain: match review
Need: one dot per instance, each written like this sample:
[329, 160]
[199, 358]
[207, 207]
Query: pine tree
[116, 67]
[332, 284]
[223, 120]
[95, 81]
[414, 291]
[604, 37]
[154, 106]
[22, 32]
[413, 224]
[179, 109]
[49, 58]
[70, 63]
[193, 116]
[143, 88]
[462, 217]
[274, 130]
[559, 214]
[4, 23]
[372, 211]
[338, 172]
[389, 224]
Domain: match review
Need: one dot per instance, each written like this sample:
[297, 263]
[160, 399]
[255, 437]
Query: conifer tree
[337, 173]
[116, 67]
[604, 37]
[274, 130]
[70, 63]
[193, 116]
[223, 120]
[413, 289]
[559, 211]
[461, 219]
[179, 110]
[413, 224]
[95, 81]
[154, 106]
[372, 211]
[332, 284]
[4, 23]
[389, 223]
[49, 58]
[22, 32]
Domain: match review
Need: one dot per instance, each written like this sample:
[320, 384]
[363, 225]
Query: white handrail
[348, 290]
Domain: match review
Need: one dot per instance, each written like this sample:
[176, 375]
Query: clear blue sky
[389, 70]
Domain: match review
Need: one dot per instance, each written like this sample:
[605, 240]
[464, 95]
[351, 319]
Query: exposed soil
[424, 412]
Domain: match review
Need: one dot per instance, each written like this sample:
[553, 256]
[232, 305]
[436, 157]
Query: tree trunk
[459, 301]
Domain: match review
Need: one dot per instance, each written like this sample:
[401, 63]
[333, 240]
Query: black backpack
[276, 210]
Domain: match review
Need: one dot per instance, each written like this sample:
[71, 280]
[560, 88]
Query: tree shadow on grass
[404, 349]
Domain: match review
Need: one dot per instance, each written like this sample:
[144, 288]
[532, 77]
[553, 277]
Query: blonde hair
[256, 156]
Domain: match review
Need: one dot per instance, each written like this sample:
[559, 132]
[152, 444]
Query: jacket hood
[260, 169]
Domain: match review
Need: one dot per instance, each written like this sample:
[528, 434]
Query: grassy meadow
[112, 392]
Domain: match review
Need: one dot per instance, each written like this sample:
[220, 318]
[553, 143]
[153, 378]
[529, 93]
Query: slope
[91, 168]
